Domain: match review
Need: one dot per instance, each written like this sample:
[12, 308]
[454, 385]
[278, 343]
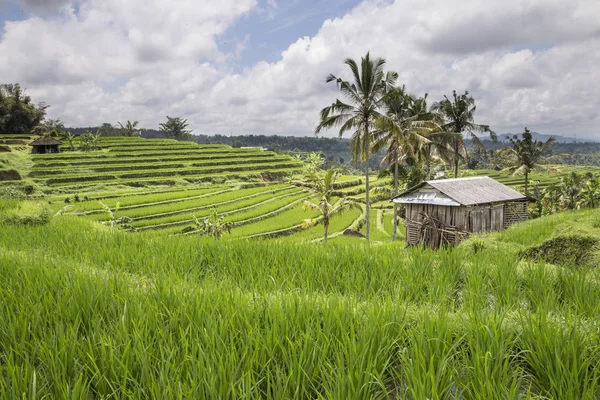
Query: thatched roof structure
[45, 141]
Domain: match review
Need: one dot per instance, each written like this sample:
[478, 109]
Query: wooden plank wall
[453, 220]
[515, 211]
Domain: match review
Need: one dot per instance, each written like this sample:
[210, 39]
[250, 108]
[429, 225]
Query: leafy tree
[69, 137]
[107, 130]
[400, 131]
[176, 128]
[365, 98]
[87, 140]
[324, 187]
[96, 140]
[18, 115]
[213, 225]
[55, 125]
[570, 190]
[590, 194]
[130, 128]
[524, 154]
[459, 117]
[313, 164]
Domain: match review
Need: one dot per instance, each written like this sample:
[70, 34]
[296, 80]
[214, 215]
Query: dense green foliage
[176, 128]
[18, 114]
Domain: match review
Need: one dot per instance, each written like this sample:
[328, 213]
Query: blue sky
[271, 31]
[258, 66]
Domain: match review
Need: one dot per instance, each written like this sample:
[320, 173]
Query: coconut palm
[324, 187]
[524, 154]
[400, 130]
[438, 150]
[130, 128]
[459, 117]
[364, 100]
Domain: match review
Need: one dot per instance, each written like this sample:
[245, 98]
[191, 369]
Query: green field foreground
[89, 313]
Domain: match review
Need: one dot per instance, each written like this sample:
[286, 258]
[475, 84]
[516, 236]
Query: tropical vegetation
[364, 97]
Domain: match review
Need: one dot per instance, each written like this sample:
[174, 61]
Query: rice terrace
[392, 247]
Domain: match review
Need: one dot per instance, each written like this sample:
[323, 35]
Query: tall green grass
[89, 312]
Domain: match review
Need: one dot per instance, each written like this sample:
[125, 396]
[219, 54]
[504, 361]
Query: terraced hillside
[139, 161]
[162, 185]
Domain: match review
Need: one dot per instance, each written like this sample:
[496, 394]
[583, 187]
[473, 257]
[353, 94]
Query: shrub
[568, 251]
[218, 180]
[10, 175]
[25, 213]
[29, 189]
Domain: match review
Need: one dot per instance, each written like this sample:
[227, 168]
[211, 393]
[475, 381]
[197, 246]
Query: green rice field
[163, 184]
[90, 312]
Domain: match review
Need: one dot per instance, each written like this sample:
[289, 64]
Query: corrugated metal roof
[426, 198]
[45, 141]
[464, 191]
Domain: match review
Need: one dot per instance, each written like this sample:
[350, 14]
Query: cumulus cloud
[526, 63]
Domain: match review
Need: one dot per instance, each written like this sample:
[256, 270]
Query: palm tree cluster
[382, 116]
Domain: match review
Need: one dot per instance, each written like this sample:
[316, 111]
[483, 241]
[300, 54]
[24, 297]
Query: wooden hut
[445, 211]
[45, 144]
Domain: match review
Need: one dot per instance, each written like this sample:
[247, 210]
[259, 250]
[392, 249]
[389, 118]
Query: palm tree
[324, 187]
[439, 149]
[365, 97]
[401, 130]
[524, 154]
[458, 115]
[130, 128]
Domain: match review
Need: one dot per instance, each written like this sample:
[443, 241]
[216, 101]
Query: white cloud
[526, 63]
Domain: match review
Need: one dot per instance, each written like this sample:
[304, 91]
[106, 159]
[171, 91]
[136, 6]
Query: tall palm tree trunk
[367, 202]
[526, 180]
[428, 162]
[326, 228]
[395, 194]
[456, 158]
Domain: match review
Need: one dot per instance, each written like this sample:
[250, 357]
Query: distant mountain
[543, 137]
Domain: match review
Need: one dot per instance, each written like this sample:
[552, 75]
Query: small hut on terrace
[45, 144]
[445, 211]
